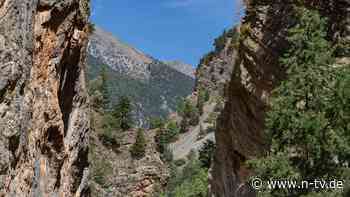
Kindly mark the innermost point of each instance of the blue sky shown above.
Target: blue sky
(167, 29)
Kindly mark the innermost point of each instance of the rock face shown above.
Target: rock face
(116, 173)
(212, 74)
(43, 112)
(215, 72)
(256, 72)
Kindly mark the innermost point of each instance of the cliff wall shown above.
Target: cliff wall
(256, 72)
(43, 102)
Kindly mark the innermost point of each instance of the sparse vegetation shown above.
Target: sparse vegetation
(203, 97)
(190, 181)
(91, 28)
(212, 118)
(190, 116)
(245, 31)
(138, 149)
(100, 168)
(157, 123)
(220, 43)
(164, 137)
(104, 88)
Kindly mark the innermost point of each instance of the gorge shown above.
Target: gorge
(57, 139)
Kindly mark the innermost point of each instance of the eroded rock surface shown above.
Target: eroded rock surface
(115, 173)
(215, 69)
(256, 72)
(43, 112)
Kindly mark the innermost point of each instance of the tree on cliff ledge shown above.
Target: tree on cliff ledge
(122, 113)
(138, 149)
(308, 124)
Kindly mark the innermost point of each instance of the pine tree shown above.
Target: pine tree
(138, 149)
(122, 113)
(308, 124)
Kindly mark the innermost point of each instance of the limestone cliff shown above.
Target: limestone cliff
(215, 68)
(212, 75)
(256, 72)
(114, 172)
(43, 112)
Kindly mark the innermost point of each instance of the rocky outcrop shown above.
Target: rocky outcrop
(43, 111)
(215, 69)
(212, 75)
(256, 72)
(116, 173)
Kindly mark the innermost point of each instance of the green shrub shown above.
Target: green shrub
(190, 116)
(206, 59)
(212, 118)
(172, 131)
(190, 181)
(245, 31)
(157, 123)
(138, 149)
(109, 139)
(164, 137)
(100, 168)
(167, 154)
(206, 153)
(180, 107)
(103, 88)
(203, 97)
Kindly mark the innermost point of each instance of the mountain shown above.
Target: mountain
(117, 55)
(182, 67)
(155, 87)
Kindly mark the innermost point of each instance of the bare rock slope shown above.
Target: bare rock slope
(43, 111)
(119, 56)
(115, 173)
(125, 59)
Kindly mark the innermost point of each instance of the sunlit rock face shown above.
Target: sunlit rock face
(240, 130)
(43, 103)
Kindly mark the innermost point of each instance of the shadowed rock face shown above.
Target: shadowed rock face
(43, 111)
(256, 72)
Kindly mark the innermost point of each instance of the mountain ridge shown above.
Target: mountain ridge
(125, 58)
(154, 86)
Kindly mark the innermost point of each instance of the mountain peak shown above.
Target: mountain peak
(121, 57)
